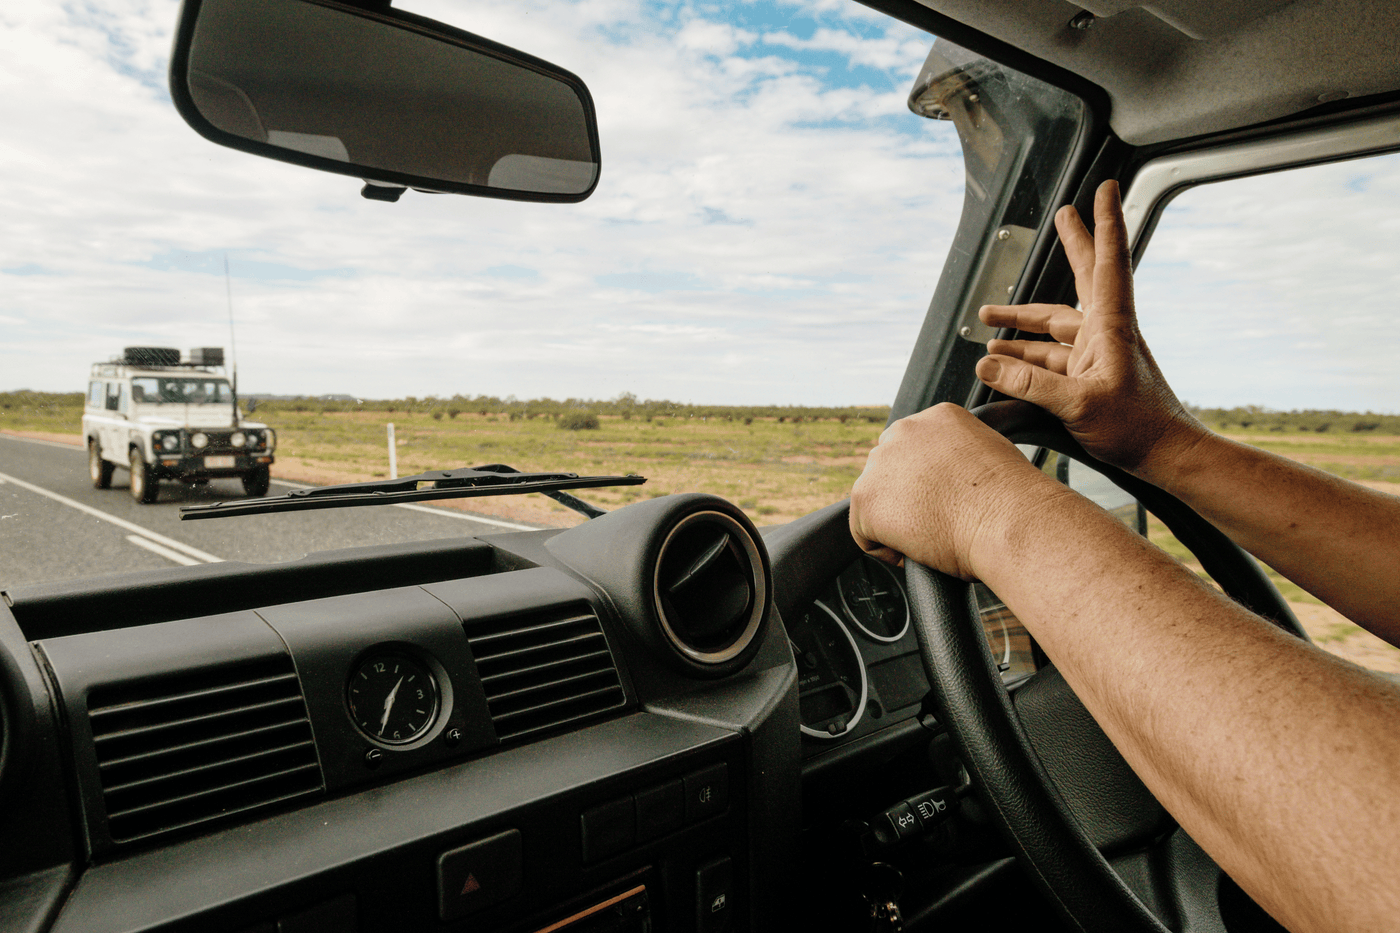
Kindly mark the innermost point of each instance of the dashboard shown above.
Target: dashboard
(857, 657)
(619, 726)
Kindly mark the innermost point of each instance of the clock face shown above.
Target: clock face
(392, 698)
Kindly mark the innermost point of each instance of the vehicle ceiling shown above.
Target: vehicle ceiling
(1179, 68)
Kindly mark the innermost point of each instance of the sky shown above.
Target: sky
(768, 228)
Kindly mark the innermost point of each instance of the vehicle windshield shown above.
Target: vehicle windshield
(730, 312)
(180, 390)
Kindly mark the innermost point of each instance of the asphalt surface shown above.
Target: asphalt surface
(55, 526)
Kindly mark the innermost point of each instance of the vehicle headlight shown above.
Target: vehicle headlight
(200, 440)
(255, 439)
(170, 442)
(238, 439)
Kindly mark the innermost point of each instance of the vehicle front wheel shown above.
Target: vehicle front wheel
(144, 486)
(256, 483)
(99, 469)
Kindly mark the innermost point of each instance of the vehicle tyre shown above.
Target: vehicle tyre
(1059, 811)
(144, 486)
(257, 481)
(99, 469)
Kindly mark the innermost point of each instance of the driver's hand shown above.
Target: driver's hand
(1099, 378)
(938, 487)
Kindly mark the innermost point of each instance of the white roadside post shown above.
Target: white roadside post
(393, 454)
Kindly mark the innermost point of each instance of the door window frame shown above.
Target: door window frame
(1160, 180)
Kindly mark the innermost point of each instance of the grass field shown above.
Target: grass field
(774, 470)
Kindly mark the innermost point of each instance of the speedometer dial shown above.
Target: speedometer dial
(831, 684)
(874, 600)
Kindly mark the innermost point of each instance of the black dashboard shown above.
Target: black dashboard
(609, 727)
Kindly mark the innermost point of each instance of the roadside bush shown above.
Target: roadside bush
(579, 421)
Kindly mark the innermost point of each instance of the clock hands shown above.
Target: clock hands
(389, 705)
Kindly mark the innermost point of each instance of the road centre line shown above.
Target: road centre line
(445, 513)
(160, 539)
(163, 551)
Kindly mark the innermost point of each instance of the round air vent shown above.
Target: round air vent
(710, 588)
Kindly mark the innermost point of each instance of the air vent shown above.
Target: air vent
(542, 673)
(710, 589)
(182, 751)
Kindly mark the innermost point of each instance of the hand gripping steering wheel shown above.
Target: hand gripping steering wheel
(1050, 779)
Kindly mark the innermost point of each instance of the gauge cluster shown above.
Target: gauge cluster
(858, 662)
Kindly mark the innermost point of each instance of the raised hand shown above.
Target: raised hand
(1099, 378)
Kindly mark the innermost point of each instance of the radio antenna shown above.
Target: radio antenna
(232, 342)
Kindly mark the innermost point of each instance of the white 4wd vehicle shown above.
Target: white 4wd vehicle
(167, 419)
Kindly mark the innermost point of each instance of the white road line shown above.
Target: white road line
(119, 522)
(161, 550)
(445, 513)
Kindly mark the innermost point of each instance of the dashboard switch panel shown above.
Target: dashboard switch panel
(706, 792)
(714, 896)
(479, 874)
(608, 829)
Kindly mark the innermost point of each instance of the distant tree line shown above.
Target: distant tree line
(1251, 418)
(626, 406)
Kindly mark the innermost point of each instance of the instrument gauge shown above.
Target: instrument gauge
(392, 697)
(831, 683)
(874, 600)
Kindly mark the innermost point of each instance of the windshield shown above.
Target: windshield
(730, 312)
(184, 391)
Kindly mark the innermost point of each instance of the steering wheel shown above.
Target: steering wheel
(1050, 779)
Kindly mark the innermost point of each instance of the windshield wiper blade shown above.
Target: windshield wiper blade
(493, 479)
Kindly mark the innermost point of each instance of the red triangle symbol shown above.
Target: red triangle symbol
(471, 885)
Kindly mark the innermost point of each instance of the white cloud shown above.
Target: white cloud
(805, 246)
(1279, 290)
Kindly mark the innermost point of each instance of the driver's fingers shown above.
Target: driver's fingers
(1079, 249)
(1020, 379)
(1053, 356)
(1114, 264)
(880, 552)
(1059, 321)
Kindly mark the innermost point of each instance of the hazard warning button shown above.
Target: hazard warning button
(478, 875)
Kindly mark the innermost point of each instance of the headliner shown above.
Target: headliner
(1180, 68)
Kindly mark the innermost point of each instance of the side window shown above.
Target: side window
(96, 392)
(113, 395)
(1269, 304)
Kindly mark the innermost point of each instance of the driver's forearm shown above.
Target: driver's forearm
(1280, 760)
(1335, 539)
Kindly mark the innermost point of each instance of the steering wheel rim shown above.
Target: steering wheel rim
(979, 714)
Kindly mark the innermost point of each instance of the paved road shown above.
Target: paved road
(55, 526)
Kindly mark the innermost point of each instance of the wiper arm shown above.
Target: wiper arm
(493, 479)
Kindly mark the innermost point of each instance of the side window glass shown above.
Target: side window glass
(113, 395)
(96, 392)
(1268, 303)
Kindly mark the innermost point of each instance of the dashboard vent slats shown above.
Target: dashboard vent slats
(541, 673)
(178, 752)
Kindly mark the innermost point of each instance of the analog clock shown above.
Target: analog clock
(392, 698)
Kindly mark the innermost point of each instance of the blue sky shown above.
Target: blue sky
(768, 228)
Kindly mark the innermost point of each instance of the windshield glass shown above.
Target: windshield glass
(184, 391)
(730, 312)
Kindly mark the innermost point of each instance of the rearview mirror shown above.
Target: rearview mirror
(387, 96)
